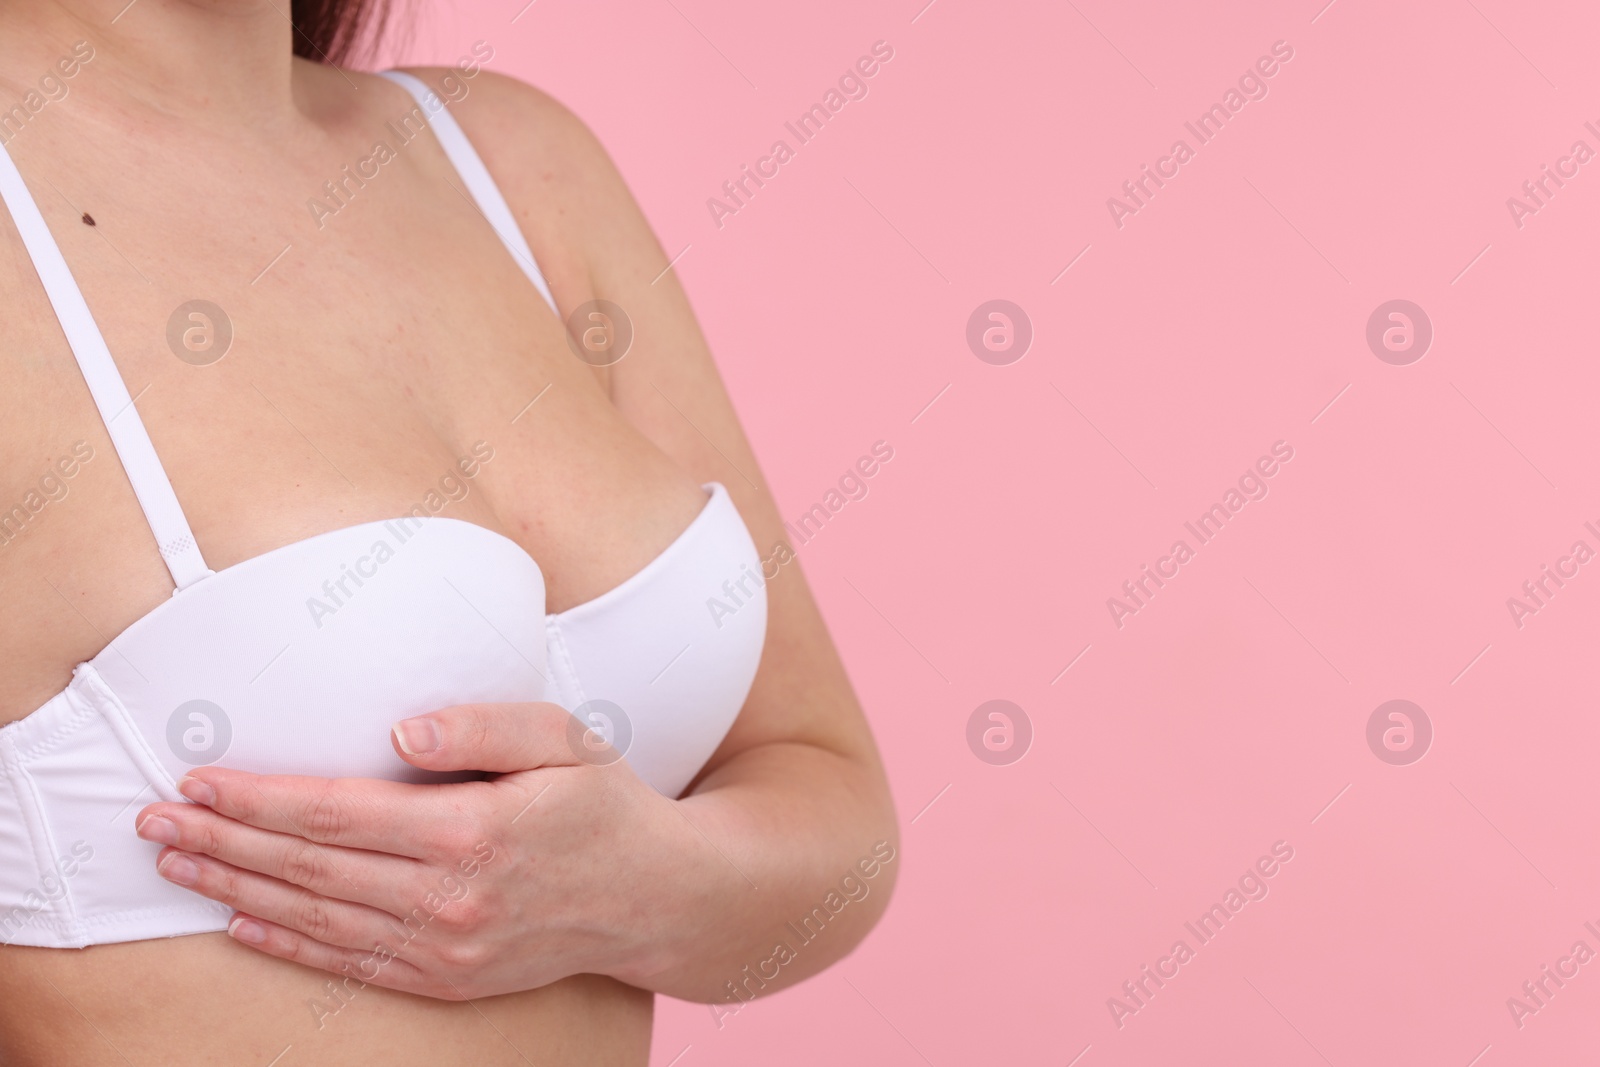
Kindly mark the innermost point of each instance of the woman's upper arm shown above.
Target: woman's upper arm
(583, 222)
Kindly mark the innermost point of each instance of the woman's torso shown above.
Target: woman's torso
(373, 348)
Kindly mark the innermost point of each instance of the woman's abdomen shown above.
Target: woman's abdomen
(204, 1000)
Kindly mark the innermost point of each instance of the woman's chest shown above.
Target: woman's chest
(289, 391)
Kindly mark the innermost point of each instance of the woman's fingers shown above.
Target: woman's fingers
(419, 821)
(378, 964)
(383, 881)
(339, 923)
(500, 738)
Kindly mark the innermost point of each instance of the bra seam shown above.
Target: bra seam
(78, 933)
(40, 839)
(200, 904)
(41, 745)
(555, 636)
(128, 736)
(661, 561)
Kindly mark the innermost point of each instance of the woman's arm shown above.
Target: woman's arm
(777, 861)
(795, 795)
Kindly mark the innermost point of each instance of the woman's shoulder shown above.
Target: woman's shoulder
(551, 167)
(506, 109)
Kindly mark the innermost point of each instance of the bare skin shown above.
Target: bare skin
(366, 360)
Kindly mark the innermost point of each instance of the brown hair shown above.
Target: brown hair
(337, 31)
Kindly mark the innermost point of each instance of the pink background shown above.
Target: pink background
(1223, 317)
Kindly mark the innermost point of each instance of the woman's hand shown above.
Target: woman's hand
(564, 863)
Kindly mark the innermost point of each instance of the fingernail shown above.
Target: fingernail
(197, 791)
(247, 930)
(417, 737)
(158, 828)
(176, 867)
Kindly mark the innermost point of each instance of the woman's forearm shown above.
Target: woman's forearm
(795, 851)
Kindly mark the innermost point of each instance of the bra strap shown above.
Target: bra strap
(173, 536)
(479, 183)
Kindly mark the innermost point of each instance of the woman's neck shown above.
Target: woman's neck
(196, 63)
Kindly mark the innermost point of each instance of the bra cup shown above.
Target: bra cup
(300, 661)
(676, 648)
(285, 664)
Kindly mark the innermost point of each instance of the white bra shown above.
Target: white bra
(236, 670)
